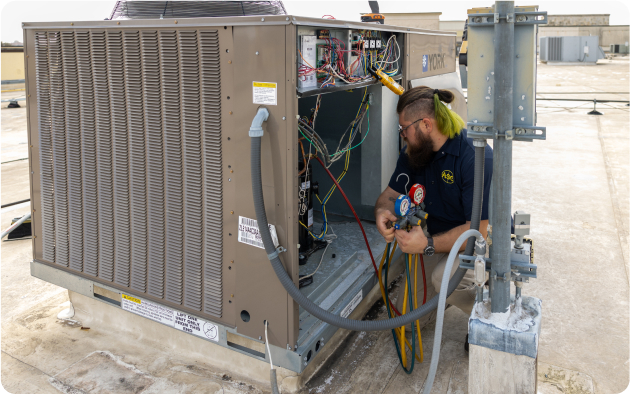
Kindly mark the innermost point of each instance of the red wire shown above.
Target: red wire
(358, 221)
(424, 280)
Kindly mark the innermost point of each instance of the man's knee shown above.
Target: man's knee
(436, 276)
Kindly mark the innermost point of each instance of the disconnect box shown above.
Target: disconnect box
(481, 58)
(141, 174)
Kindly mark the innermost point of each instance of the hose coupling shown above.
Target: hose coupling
(480, 246)
(256, 129)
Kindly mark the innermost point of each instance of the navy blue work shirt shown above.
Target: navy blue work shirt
(449, 181)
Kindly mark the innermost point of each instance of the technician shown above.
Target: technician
(439, 155)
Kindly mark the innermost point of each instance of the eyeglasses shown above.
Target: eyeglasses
(402, 129)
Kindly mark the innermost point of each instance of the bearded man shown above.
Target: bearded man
(438, 155)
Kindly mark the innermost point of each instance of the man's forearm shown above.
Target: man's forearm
(385, 202)
(444, 242)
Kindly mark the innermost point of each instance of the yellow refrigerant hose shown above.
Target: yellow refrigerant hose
(401, 330)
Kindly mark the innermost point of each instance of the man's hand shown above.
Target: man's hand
(383, 220)
(411, 242)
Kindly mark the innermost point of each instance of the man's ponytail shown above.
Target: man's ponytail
(449, 123)
(425, 101)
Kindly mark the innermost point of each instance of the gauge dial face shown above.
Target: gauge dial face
(417, 193)
(402, 205)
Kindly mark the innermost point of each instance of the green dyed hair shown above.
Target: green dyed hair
(423, 101)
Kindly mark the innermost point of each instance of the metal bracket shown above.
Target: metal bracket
(524, 133)
(275, 254)
(518, 18)
(494, 276)
(521, 271)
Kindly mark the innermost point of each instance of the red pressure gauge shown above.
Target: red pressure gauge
(417, 193)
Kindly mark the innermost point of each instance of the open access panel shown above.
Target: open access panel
(140, 171)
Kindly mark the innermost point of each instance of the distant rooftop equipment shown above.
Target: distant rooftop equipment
(619, 49)
(570, 50)
(194, 9)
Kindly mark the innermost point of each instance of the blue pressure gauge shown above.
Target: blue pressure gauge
(402, 204)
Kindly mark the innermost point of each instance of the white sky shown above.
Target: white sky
(17, 11)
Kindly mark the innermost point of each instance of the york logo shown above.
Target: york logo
(432, 62)
(447, 176)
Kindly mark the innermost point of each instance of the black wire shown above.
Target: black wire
(15, 203)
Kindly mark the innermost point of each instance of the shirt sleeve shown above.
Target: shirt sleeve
(402, 167)
(468, 184)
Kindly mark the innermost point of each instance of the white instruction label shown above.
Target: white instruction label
(306, 185)
(265, 93)
(179, 320)
(310, 217)
(248, 233)
(148, 309)
(345, 312)
(196, 326)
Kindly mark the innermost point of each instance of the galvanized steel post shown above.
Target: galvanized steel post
(502, 159)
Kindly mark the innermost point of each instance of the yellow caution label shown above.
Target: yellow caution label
(265, 85)
(132, 299)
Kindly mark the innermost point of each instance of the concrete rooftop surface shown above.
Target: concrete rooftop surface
(574, 185)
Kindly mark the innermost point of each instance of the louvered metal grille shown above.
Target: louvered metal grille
(130, 152)
(555, 48)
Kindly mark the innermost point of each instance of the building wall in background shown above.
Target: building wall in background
(420, 20)
(12, 64)
(456, 26)
(579, 20)
(607, 34)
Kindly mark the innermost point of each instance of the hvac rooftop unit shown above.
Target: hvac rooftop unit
(578, 49)
(140, 157)
(619, 48)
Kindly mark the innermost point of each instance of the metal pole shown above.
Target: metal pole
(502, 160)
(15, 225)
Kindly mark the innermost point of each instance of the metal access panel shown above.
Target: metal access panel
(140, 171)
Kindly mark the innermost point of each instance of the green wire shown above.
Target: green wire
(305, 137)
(365, 136)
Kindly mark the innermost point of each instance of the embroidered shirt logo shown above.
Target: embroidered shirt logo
(447, 176)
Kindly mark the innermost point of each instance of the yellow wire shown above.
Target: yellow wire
(347, 163)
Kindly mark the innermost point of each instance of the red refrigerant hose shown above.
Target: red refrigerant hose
(360, 225)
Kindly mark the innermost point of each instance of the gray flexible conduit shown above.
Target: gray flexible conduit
(477, 204)
(308, 305)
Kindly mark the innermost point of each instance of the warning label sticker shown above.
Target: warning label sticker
(148, 309)
(196, 326)
(265, 93)
(248, 233)
(345, 312)
(178, 320)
